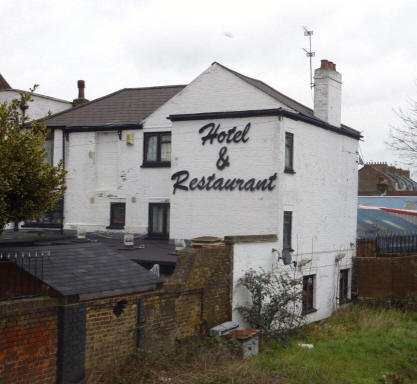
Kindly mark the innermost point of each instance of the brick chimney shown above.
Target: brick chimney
(328, 93)
(81, 98)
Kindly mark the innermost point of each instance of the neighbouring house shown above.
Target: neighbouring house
(225, 156)
(381, 179)
(39, 107)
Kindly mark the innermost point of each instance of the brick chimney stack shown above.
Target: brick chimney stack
(328, 93)
(81, 97)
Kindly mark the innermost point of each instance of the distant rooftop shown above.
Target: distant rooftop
(3, 83)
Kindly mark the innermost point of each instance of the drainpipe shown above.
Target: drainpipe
(63, 164)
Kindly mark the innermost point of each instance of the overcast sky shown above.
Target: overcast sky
(133, 43)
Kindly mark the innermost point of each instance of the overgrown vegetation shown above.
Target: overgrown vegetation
(356, 345)
(207, 361)
(29, 185)
(275, 301)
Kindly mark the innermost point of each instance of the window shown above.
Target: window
(117, 215)
(49, 146)
(308, 294)
(343, 286)
(157, 149)
(158, 220)
(286, 236)
(289, 153)
(50, 219)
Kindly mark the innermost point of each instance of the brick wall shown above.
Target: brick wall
(390, 279)
(28, 341)
(197, 297)
(38, 335)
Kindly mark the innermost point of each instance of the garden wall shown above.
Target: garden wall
(389, 280)
(28, 341)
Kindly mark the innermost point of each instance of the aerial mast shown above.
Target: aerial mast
(309, 53)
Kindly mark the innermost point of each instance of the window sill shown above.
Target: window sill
(166, 164)
(290, 171)
(308, 311)
(115, 227)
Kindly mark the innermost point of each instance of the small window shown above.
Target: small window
(289, 153)
(344, 286)
(308, 294)
(117, 215)
(286, 236)
(157, 149)
(158, 220)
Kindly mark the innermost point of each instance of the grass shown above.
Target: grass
(356, 345)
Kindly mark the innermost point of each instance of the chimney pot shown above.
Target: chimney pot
(81, 96)
(81, 87)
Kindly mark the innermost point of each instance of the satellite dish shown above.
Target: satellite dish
(286, 256)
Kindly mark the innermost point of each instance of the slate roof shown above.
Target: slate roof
(128, 105)
(3, 83)
(88, 270)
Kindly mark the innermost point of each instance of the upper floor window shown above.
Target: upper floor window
(289, 152)
(157, 149)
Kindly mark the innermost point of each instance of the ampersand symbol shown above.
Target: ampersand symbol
(223, 160)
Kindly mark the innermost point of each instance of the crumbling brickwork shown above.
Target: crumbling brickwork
(28, 341)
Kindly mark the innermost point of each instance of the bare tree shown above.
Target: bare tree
(403, 139)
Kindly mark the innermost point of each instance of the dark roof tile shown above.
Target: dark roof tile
(87, 268)
(129, 105)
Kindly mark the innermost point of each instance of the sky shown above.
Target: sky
(133, 43)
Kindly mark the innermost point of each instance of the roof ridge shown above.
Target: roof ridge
(155, 87)
(265, 84)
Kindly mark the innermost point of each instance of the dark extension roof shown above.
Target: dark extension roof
(291, 103)
(3, 83)
(85, 270)
(128, 105)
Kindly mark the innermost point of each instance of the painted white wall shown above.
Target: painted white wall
(215, 90)
(40, 105)
(103, 169)
(220, 213)
(324, 266)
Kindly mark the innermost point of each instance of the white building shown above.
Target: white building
(38, 107)
(225, 155)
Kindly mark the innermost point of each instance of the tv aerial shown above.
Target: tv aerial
(309, 53)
